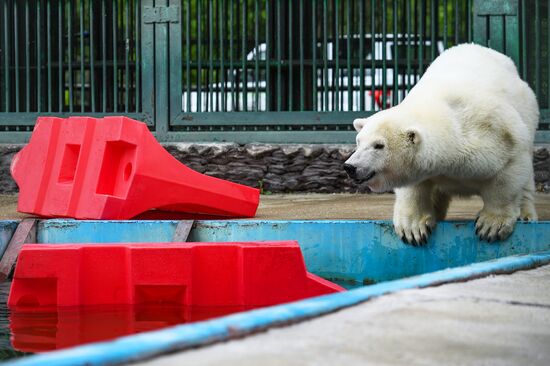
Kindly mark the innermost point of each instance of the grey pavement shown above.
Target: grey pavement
(497, 320)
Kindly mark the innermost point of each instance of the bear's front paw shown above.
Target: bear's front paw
(414, 230)
(492, 227)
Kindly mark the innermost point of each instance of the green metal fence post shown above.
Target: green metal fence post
(496, 25)
(161, 63)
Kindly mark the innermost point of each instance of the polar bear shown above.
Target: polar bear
(466, 128)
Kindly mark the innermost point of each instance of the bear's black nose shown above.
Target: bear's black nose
(351, 170)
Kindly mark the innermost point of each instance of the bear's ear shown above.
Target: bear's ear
(413, 137)
(359, 123)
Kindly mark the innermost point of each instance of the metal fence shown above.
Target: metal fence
(245, 70)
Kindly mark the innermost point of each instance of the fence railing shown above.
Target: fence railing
(245, 70)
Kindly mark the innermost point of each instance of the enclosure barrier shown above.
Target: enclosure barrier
(245, 70)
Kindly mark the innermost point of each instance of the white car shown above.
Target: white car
(327, 81)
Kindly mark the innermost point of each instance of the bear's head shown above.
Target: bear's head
(385, 157)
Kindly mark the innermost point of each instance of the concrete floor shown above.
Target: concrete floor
(498, 320)
(329, 206)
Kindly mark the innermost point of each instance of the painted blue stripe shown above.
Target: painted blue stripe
(362, 251)
(142, 345)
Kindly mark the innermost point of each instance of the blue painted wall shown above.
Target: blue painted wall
(363, 251)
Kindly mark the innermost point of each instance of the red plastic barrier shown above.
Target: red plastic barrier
(113, 168)
(195, 274)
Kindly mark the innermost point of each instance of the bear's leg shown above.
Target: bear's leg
(502, 198)
(441, 202)
(528, 211)
(414, 215)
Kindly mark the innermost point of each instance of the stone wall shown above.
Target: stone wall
(273, 168)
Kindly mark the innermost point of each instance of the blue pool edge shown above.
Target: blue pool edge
(154, 343)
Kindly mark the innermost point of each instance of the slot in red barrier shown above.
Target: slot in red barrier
(191, 274)
(113, 168)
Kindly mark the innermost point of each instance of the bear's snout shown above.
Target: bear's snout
(351, 170)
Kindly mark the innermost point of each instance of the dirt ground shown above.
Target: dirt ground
(328, 207)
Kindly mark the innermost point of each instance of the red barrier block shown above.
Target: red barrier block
(113, 168)
(194, 274)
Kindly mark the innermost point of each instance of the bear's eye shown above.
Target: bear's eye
(378, 146)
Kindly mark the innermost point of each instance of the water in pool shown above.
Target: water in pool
(31, 330)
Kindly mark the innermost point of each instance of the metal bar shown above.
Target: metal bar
(126, 57)
(279, 46)
(92, 55)
(199, 61)
(290, 56)
(395, 56)
(60, 35)
(336, 57)
(38, 59)
(234, 107)
(216, 88)
(7, 58)
(384, 55)
(348, 55)
(188, 48)
(257, 53)
(49, 54)
(469, 15)
(537, 48)
(16, 51)
(27, 60)
(314, 53)
(173, 73)
(210, 57)
(408, 40)
(325, 56)
(361, 55)
(301, 25)
(433, 19)
(421, 41)
(445, 21)
(70, 54)
(115, 59)
(222, 56)
(457, 24)
(523, 41)
(82, 79)
(243, 56)
(268, 105)
(138, 57)
(104, 57)
(373, 54)
(548, 59)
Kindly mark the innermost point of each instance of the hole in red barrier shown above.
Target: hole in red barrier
(127, 171)
(113, 174)
(35, 292)
(28, 300)
(69, 163)
(160, 294)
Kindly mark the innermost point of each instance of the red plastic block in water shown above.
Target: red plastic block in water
(113, 168)
(194, 274)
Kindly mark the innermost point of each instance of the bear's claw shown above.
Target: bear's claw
(492, 227)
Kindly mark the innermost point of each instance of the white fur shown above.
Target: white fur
(466, 128)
